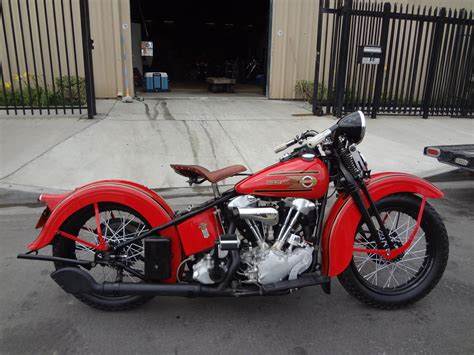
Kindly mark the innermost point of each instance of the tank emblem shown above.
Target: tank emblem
(308, 181)
(295, 182)
(204, 231)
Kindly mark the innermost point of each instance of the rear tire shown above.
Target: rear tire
(421, 277)
(67, 248)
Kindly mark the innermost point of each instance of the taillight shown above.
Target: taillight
(433, 152)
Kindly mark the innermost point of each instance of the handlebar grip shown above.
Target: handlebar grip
(281, 147)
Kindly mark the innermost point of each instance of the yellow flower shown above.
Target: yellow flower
(17, 77)
(8, 85)
(25, 74)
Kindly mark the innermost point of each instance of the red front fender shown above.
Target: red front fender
(143, 200)
(344, 217)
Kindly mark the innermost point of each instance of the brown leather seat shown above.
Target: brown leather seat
(195, 171)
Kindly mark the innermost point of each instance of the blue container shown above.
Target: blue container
(156, 81)
(149, 81)
(164, 81)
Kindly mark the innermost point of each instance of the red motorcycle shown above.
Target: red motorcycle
(116, 244)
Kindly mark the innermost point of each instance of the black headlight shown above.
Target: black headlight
(352, 127)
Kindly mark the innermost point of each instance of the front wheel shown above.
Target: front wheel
(412, 275)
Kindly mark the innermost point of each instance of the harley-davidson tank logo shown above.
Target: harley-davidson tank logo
(295, 182)
(308, 181)
(204, 231)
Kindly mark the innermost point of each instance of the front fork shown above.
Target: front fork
(354, 188)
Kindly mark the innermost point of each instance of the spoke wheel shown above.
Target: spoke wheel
(414, 273)
(394, 275)
(116, 223)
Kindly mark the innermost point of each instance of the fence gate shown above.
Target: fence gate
(384, 58)
(46, 57)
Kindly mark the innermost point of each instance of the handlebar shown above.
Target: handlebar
(312, 140)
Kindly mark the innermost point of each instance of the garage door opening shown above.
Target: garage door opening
(195, 41)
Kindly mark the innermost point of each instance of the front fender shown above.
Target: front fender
(341, 225)
(143, 200)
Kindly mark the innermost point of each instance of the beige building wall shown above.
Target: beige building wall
(110, 30)
(292, 47)
(293, 40)
(112, 54)
(31, 59)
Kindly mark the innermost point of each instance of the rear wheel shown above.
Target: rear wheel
(412, 275)
(118, 223)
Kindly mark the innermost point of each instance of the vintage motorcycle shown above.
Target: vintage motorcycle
(116, 244)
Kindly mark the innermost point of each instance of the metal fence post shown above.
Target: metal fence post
(381, 65)
(437, 39)
(87, 46)
(343, 49)
(318, 57)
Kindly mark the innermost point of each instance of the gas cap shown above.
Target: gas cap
(308, 157)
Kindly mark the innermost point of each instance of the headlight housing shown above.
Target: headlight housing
(352, 127)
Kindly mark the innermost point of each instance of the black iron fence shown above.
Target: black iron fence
(46, 57)
(393, 59)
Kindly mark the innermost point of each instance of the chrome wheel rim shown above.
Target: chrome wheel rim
(116, 226)
(384, 275)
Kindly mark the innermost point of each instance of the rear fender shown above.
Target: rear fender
(143, 200)
(344, 217)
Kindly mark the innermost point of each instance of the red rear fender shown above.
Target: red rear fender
(344, 217)
(143, 200)
(52, 200)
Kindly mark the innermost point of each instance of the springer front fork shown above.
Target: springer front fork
(354, 186)
(375, 233)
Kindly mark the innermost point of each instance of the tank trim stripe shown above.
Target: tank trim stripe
(294, 172)
(286, 190)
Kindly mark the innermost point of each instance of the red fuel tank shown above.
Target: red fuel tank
(292, 178)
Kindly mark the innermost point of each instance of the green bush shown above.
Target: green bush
(305, 89)
(67, 91)
(71, 90)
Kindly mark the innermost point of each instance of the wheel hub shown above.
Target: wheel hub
(397, 243)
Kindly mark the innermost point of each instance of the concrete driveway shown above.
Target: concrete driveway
(138, 141)
(38, 317)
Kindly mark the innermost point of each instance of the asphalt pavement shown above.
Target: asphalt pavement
(36, 316)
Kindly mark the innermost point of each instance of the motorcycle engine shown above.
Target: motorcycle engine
(273, 240)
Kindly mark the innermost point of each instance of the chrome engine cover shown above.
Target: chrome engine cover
(201, 270)
(271, 265)
(289, 255)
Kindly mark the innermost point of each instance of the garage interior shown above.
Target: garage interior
(196, 40)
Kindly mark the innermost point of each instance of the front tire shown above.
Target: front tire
(411, 276)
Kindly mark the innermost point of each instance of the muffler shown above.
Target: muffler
(75, 281)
